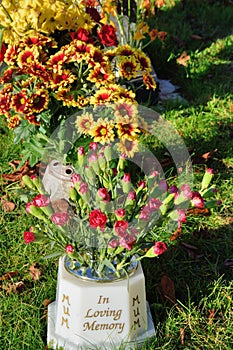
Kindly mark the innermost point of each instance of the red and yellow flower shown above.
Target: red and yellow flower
(84, 123)
(102, 131)
(128, 67)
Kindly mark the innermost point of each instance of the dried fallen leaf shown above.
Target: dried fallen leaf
(176, 234)
(7, 206)
(34, 272)
(228, 263)
(9, 275)
(198, 211)
(168, 289)
(182, 335)
(211, 316)
(17, 287)
(19, 173)
(46, 302)
(192, 251)
(183, 59)
(195, 37)
(208, 155)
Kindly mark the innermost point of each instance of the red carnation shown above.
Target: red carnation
(107, 35)
(120, 227)
(97, 219)
(160, 248)
(28, 237)
(81, 34)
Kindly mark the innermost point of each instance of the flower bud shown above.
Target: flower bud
(126, 183)
(81, 156)
(207, 178)
(69, 249)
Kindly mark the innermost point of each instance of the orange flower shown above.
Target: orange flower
(144, 61)
(142, 29)
(62, 79)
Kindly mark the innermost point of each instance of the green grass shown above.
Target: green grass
(202, 282)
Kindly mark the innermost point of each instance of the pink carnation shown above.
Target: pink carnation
(60, 218)
(127, 241)
(197, 200)
(41, 200)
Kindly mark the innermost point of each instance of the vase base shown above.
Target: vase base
(57, 342)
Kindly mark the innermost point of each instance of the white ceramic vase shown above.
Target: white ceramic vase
(99, 315)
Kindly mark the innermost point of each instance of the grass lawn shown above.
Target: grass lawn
(198, 268)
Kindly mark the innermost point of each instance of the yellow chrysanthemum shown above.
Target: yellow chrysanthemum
(84, 123)
(102, 131)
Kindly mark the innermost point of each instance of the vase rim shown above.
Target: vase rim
(127, 274)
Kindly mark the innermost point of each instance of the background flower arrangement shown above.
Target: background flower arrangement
(61, 57)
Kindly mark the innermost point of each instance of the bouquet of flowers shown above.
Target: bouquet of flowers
(59, 57)
(111, 210)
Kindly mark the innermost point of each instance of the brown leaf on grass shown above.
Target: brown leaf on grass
(176, 234)
(7, 206)
(168, 289)
(198, 211)
(183, 59)
(9, 275)
(195, 37)
(19, 173)
(211, 316)
(34, 272)
(201, 159)
(228, 263)
(17, 287)
(231, 108)
(46, 302)
(182, 335)
(192, 251)
(208, 155)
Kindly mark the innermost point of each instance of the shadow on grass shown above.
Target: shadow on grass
(192, 27)
(195, 262)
